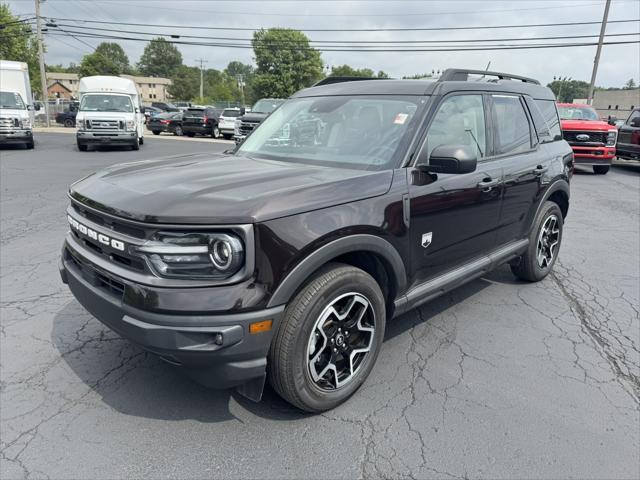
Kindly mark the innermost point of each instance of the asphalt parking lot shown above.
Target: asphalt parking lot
(499, 379)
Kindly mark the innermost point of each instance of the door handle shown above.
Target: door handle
(488, 183)
(539, 170)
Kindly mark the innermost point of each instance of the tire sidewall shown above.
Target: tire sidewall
(310, 394)
(550, 208)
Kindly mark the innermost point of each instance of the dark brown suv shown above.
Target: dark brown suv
(349, 205)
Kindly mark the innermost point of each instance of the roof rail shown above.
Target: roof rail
(462, 75)
(331, 80)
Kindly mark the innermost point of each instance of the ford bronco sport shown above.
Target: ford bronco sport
(593, 140)
(349, 205)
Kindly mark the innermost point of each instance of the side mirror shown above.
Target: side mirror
(243, 110)
(449, 159)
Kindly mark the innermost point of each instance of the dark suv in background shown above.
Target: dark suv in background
(349, 205)
(201, 121)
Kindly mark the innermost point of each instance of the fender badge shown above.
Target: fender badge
(426, 239)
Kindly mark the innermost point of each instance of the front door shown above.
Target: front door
(454, 216)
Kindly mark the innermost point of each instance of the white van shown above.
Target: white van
(109, 113)
(16, 104)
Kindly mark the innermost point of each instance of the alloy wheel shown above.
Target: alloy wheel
(340, 341)
(548, 240)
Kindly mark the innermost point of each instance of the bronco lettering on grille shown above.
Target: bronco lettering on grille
(92, 234)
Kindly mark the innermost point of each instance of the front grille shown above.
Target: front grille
(594, 137)
(105, 124)
(9, 123)
(97, 279)
(109, 223)
(247, 127)
(123, 259)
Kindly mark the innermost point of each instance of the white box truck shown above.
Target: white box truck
(16, 104)
(110, 113)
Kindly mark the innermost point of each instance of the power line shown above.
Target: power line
(420, 29)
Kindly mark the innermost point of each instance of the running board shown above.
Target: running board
(452, 279)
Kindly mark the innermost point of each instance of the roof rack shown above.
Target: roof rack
(462, 75)
(331, 80)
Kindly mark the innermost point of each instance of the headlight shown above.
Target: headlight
(611, 138)
(195, 256)
(131, 125)
(26, 123)
(236, 126)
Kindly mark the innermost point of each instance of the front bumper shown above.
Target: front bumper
(593, 155)
(215, 349)
(15, 136)
(109, 138)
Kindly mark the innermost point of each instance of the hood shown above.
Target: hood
(586, 125)
(254, 116)
(13, 113)
(223, 189)
(105, 115)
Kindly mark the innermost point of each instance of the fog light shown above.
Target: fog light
(219, 339)
(259, 327)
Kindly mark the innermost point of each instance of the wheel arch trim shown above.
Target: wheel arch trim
(323, 255)
(560, 185)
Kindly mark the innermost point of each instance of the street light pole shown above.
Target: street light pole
(202, 62)
(597, 59)
(43, 73)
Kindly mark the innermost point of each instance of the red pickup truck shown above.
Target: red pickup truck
(593, 141)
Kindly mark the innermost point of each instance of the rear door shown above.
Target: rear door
(626, 132)
(453, 217)
(193, 117)
(525, 164)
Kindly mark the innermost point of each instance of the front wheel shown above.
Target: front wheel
(155, 132)
(544, 245)
(178, 131)
(329, 339)
(82, 148)
(136, 144)
(69, 123)
(600, 169)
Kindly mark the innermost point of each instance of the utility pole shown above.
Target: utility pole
(202, 62)
(597, 59)
(240, 79)
(43, 73)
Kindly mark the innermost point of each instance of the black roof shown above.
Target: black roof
(491, 82)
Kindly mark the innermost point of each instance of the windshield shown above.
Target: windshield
(266, 105)
(231, 113)
(362, 132)
(11, 100)
(106, 103)
(577, 113)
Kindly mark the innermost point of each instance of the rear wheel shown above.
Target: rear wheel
(156, 132)
(600, 169)
(69, 123)
(329, 339)
(544, 245)
(191, 134)
(215, 132)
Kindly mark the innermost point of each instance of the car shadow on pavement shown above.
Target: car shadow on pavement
(137, 383)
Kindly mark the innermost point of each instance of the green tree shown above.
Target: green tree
(631, 84)
(566, 90)
(185, 83)
(285, 62)
(348, 71)
(159, 59)
(107, 59)
(59, 68)
(18, 43)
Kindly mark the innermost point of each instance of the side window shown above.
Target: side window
(633, 116)
(541, 127)
(550, 113)
(512, 131)
(459, 121)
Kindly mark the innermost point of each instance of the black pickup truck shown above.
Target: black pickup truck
(358, 201)
(628, 147)
(248, 121)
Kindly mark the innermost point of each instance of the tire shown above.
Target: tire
(69, 123)
(178, 131)
(215, 132)
(141, 140)
(30, 145)
(136, 144)
(600, 169)
(530, 267)
(293, 351)
(82, 148)
(227, 136)
(156, 132)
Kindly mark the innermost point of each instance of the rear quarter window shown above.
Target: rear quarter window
(549, 112)
(231, 113)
